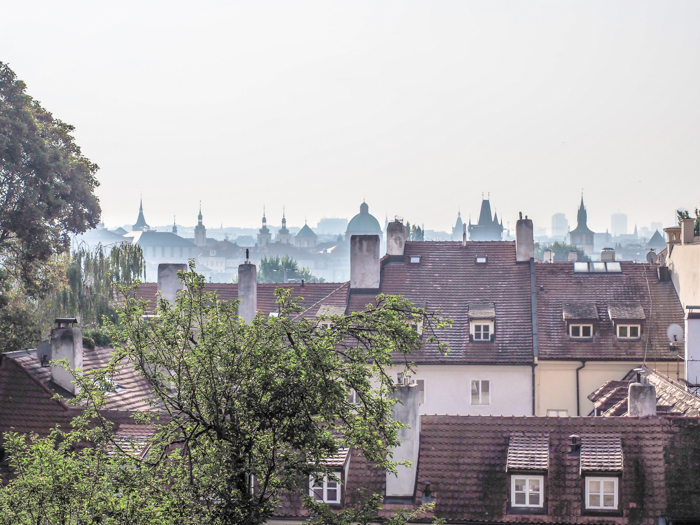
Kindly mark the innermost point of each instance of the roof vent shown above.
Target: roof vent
(575, 445)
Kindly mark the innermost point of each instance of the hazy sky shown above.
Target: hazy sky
(417, 106)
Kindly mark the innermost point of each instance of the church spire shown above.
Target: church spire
(199, 217)
(141, 221)
(174, 226)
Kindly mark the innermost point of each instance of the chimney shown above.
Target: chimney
(673, 237)
(364, 262)
(573, 256)
(247, 291)
(607, 255)
(168, 282)
(396, 235)
(548, 256)
(687, 231)
(402, 485)
(464, 235)
(692, 345)
(524, 240)
(641, 397)
(66, 343)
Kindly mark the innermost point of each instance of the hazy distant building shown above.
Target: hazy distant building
(618, 224)
(283, 235)
(560, 226)
(306, 238)
(331, 225)
(582, 236)
(140, 225)
(458, 230)
(487, 229)
(656, 226)
(264, 235)
(200, 232)
(363, 223)
(656, 242)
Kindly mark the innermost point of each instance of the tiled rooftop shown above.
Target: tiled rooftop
(637, 286)
(601, 453)
(528, 452)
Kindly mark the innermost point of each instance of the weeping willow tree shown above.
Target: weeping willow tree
(87, 291)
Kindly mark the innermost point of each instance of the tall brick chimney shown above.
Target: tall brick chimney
(66, 343)
(247, 291)
(524, 240)
(364, 262)
(396, 235)
(402, 485)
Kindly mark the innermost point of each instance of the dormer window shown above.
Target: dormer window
(629, 331)
(527, 464)
(601, 466)
(601, 493)
(526, 491)
(324, 488)
(581, 331)
(482, 330)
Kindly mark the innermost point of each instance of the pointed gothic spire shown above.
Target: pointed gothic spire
(174, 225)
(199, 217)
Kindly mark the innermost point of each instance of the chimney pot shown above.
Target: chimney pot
(66, 343)
(396, 235)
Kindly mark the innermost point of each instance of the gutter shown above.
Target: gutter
(535, 346)
(578, 401)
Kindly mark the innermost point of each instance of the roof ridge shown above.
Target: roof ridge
(320, 300)
(53, 396)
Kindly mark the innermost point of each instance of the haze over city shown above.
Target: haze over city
(417, 107)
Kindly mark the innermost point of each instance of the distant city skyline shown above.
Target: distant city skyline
(417, 107)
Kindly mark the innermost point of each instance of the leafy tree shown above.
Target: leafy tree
(46, 186)
(561, 251)
(684, 214)
(416, 233)
(273, 270)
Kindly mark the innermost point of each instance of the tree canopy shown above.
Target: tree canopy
(47, 187)
(561, 251)
(247, 411)
(685, 214)
(283, 269)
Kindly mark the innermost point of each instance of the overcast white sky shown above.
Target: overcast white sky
(418, 107)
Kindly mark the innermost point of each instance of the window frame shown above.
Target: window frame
(481, 390)
(481, 323)
(628, 327)
(581, 326)
(527, 478)
(601, 479)
(324, 487)
(557, 412)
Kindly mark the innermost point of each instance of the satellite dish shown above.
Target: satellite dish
(674, 333)
(651, 257)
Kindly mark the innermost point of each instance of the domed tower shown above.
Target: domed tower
(363, 224)
(264, 235)
(200, 232)
(283, 235)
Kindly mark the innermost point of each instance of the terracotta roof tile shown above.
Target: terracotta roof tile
(637, 284)
(528, 452)
(601, 453)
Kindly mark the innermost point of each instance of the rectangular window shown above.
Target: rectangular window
(581, 331)
(554, 412)
(481, 331)
(421, 390)
(162, 251)
(324, 489)
(527, 491)
(481, 392)
(601, 493)
(628, 331)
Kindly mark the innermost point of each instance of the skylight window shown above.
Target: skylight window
(481, 259)
(415, 259)
(580, 267)
(597, 267)
(614, 267)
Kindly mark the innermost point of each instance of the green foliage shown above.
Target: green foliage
(415, 232)
(561, 251)
(273, 269)
(87, 290)
(683, 214)
(100, 335)
(267, 398)
(47, 187)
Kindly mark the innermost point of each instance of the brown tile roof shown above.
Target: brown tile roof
(133, 390)
(465, 460)
(576, 311)
(448, 280)
(638, 283)
(622, 311)
(671, 397)
(601, 453)
(528, 452)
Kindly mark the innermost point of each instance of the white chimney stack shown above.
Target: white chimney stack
(403, 483)
(66, 343)
(247, 291)
(396, 235)
(687, 231)
(641, 398)
(692, 345)
(168, 282)
(524, 239)
(364, 262)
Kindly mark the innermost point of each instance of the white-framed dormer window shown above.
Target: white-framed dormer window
(629, 331)
(322, 488)
(527, 491)
(601, 493)
(581, 331)
(481, 392)
(482, 330)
